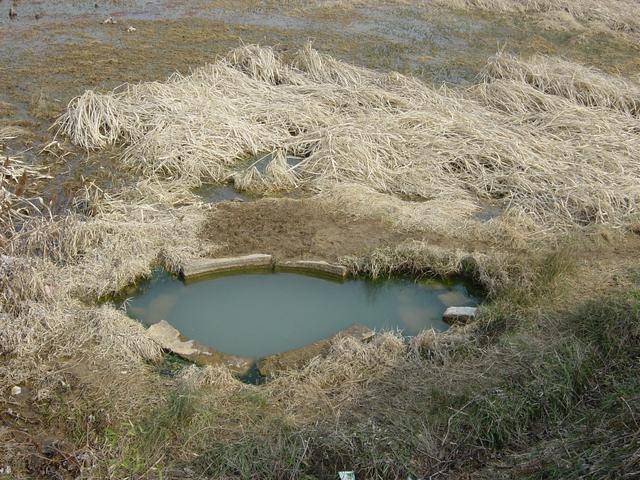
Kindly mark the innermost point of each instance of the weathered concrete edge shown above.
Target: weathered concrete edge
(207, 266)
(312, 266)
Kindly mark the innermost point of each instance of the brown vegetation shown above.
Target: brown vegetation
(615, 15)
(18, 197)
(402, 169)
(520, 139)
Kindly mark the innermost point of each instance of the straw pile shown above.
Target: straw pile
(613, 15)
(554, 142)
(18, 199)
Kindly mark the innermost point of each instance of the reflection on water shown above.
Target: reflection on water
(453, 297)
(259, 314)
(215, 193)
(162, 305)
(261, 161)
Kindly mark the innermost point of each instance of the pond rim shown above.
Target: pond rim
(252, 374)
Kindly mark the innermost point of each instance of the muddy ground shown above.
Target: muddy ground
(295, 229)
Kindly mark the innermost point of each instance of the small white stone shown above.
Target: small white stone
(131, 29)
(16, 390)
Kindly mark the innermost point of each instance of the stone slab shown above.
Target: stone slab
(313, 266)
(459, 314)
(209, 266)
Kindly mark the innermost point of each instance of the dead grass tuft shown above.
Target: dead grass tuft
(614, 15)
(518, 138)
(554, 76)
(18, 194)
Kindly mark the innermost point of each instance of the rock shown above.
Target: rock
(313, 266)
(109, 21)
(207, 266)
(131, 29)
(347, 475)
(459, 314)
(16, 390)
(169, 338)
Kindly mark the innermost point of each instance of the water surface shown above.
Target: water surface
(258, 314)
(216, 193)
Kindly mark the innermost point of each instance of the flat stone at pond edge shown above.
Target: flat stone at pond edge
(169, 338)
(459, 314)
(313, 266)
(298, 357)
(206, 266)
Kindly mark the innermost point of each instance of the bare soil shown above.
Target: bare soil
(295, 229)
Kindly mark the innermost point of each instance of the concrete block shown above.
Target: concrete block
(208, 266)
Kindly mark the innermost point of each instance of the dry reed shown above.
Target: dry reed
(519, 137)
(613, 15)
(373, 144)
(377, 145)
(54, 270)
(18, 198)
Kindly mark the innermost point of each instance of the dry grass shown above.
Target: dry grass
(18, 194)
(579, 84)
(518, 138)
(52, 266)
(614, 15)
(384, 146)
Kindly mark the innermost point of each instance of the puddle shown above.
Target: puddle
(261, 161)
(489, 212)
(259, 314)
(215, 193)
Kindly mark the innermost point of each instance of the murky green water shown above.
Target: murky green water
(258, 314)
(215, 193)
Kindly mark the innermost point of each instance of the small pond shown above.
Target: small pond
(259, 314)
